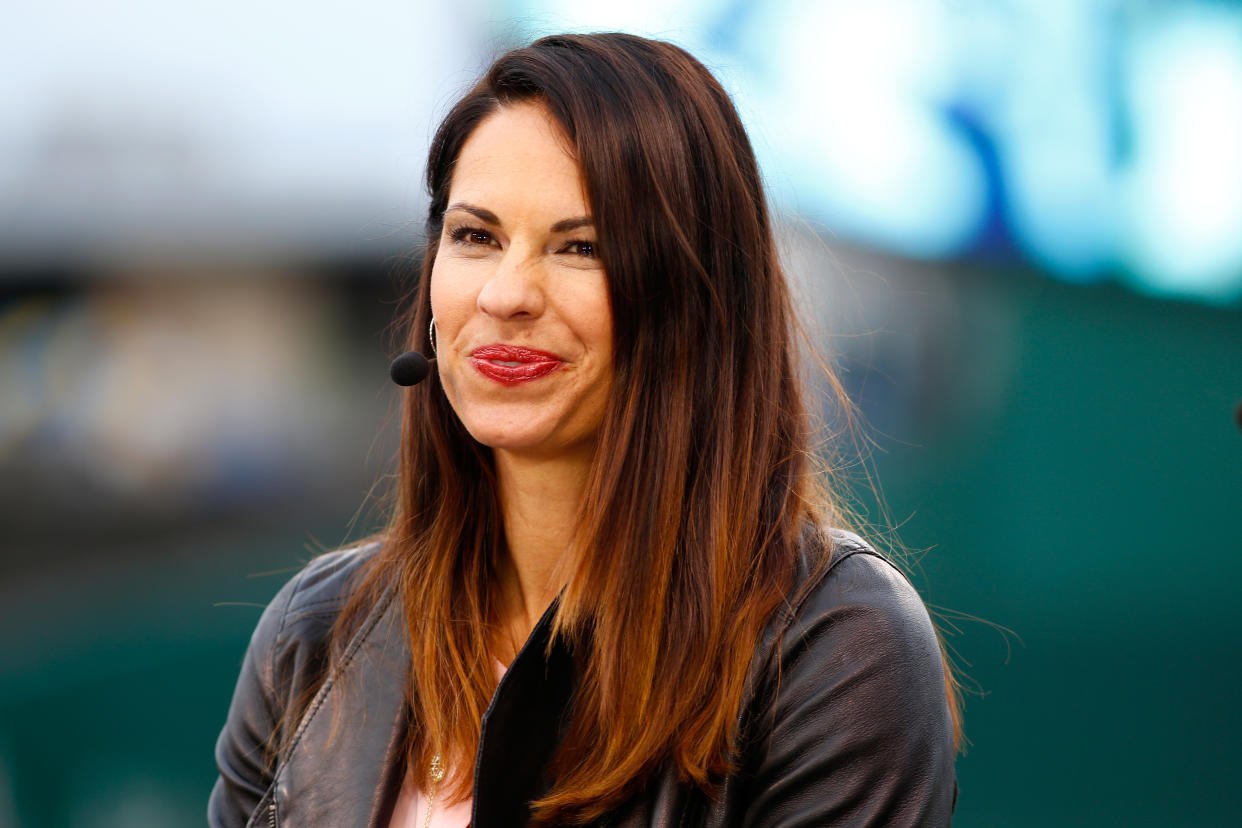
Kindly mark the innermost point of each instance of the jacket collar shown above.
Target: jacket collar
(522, 728)
(343, 767)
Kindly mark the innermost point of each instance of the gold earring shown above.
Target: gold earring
(431, 335)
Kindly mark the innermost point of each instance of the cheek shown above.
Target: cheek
(597, 323)
(451, 298)
(439, 294)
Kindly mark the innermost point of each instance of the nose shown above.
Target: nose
(514, 290)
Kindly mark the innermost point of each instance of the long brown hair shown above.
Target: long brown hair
(702, 483)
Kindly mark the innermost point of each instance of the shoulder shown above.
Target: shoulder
(856, 614)
(853, 723)
(286, 661)
(859, 583)
(290, 643)
(323, 586)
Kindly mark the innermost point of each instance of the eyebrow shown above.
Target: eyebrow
(562, 226)
(565, 225)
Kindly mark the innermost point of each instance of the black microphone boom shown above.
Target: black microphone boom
(410, 368)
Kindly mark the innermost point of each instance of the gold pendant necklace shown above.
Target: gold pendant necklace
(437, 773)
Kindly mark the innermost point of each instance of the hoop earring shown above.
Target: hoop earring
(431, 335)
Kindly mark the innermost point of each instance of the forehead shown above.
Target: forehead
(518, 156)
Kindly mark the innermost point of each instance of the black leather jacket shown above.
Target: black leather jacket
(857, 733)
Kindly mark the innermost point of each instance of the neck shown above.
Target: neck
(540, 499)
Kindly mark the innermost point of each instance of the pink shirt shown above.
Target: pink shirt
(411, 808)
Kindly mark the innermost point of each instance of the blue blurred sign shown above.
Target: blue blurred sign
(1090, 138)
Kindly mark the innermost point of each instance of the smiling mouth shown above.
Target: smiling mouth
(511, 365)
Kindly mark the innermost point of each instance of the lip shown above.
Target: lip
(513, 365)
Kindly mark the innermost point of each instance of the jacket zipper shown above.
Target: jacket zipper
(271, 814)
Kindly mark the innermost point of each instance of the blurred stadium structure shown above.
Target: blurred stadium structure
(1017, 224)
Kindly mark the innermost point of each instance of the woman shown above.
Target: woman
(606, 595)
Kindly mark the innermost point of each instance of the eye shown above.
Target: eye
(471, 236)
(584, 249)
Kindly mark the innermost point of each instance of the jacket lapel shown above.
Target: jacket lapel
(521, 730)
(342, 755)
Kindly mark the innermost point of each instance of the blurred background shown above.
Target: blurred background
(1017, 226)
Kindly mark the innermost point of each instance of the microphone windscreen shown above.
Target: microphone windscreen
(410, 368)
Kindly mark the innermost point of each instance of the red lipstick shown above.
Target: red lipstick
(511, 365)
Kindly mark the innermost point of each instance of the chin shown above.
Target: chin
(514, 434)
(523, 438)
(538, 427)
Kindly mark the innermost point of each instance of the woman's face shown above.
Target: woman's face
(519, 295)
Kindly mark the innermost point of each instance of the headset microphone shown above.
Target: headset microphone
(410, 368)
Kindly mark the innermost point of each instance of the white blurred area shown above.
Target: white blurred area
(220, 131)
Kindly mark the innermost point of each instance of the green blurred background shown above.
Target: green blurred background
(193, 397)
